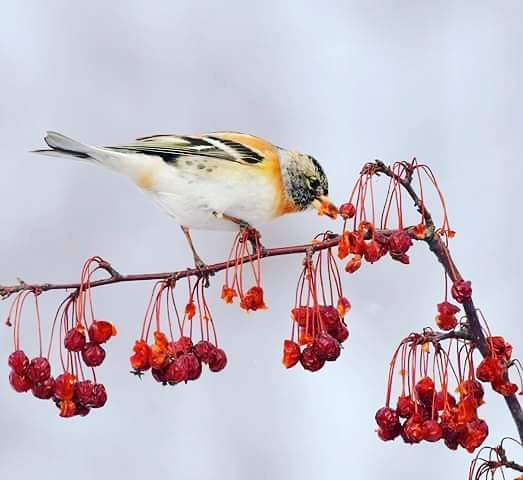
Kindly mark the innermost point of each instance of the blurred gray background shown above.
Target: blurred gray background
(346, 81)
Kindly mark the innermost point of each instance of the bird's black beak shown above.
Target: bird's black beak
(325, 207)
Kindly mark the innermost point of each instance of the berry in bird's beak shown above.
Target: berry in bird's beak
(325, 207)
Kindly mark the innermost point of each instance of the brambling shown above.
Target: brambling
(215, 181)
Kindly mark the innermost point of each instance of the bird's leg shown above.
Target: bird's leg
(198, 262)
(253, 236)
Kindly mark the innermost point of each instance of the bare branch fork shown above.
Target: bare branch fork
(435, 242)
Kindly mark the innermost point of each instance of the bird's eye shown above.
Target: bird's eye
(314, 183)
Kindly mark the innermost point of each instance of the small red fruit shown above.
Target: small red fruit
(93, 354)
(341, 333)
(326, 347)
(67, 408)
(20, 383)
(83, 392)
(405, 406)
(100, 331)
(99, 396)
(372, 251)
(177, 371)
(74, 340)
(291, 353)
(387, 418)
(193, 365)
(425, 390)
(204, 350)
(347, 210)
(354, 264)
(343, 306)
(39, 369)
(64, 386)
(462, 291)
(180, 346)
(413, 431)
(140, 358)
(310, 361)
(44, 390)
(399, 242)
(432, 431)
(19, 362)
(477, 432)
(218, 360)
(505, 388)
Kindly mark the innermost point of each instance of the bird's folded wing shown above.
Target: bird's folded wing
(172, 146)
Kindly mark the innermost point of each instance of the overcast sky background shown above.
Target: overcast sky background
(345, 81)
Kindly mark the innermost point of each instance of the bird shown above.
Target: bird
(215, 181)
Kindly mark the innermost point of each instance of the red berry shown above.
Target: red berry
(387, 419)
(82, 410)
(100, 331)
(474, 389)
(501, 348)
(20, 383)
(400, 257)
(477, 431)
(74, 340)
(505, 388)
(491, 369)
(341, 333)
(44, 390)
(93, 354)
(39, 369)
(140, 359)
(218, 360)
(446, 322)
(180, 346)
(64, 386)
(310, 361)
(399, 242)
(19, 362)
(343, 306)
(462, 291)
(160, 374)
(330, 317)
(444, 400)
(302, 315)
(204, 350)
(387, 435)
(432, 431)
(425, 390)
(447, 308)
(291, 353)
(372, 251)
(67, 408)
(83, 392)
(405, 406)
(353, 264)
(383, 242)
(347, 210)
(99, 396)
(194, 366)
(413, 429)
(357, 244)
(177, 371)
(326, 347)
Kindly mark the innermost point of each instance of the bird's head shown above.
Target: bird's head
(306, 183)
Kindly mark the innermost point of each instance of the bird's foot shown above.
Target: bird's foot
(253, 236)
(203, 270)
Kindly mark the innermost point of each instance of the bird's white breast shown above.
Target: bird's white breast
(193, 189)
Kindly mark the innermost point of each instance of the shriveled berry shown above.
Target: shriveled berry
(387, 435)
(326, 347)
(64, 386)
(425, 390)
(344, 245)
(82, 410)
(432, 431)
(400, 257)
(93, 354)
(100, 331)
(291, 353)
(446, 322)
(160, 374)
(180, 346)
(74, 340)
(83, 392)
(500, 348)
(405, 406)
(383, 242)
(253, 299)
(218, 360)
(387, 418)
(462, 291)
(491, 369)
(341, 333)
(20, 383)
(330, 317)
(44, 390)
(357, 244)
(505, 388)
(477, 432)
(343, 306)
(159, 357)
(228, 294)
(447, 308)
(177, 371)
(302, 315)
(347, 210)
(399, 242)
(140, 359)
(466, 410)
(204, 350)
(472, 388)
(413, 429)
(194, 366)
(19, 362)
(372, 251)
(39, 369)
(353, 264)
(99, 396)
(310, 361)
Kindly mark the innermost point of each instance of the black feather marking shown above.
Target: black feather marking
(250, 156)
(72, 153)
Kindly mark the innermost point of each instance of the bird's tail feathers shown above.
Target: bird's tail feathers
(62, 146)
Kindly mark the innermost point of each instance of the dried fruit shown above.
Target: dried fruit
(64, 386)
(347, 210)
(310, 360)
(218, 360)
(462, 291)
(425, 390)
(204, 350)
(39, 369)
(291, 353)
(101, 331)
(93, 354)
(140, 359)
(19, 362)
(44, 390)
(399, 242)
(75, 340)
(326, 347)
(20, 383)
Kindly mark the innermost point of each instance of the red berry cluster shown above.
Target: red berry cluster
(71, 391)
(494, 368)
(319, 328)
(446, 317)
(426, 410)
(245, 244)
(174, 361)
